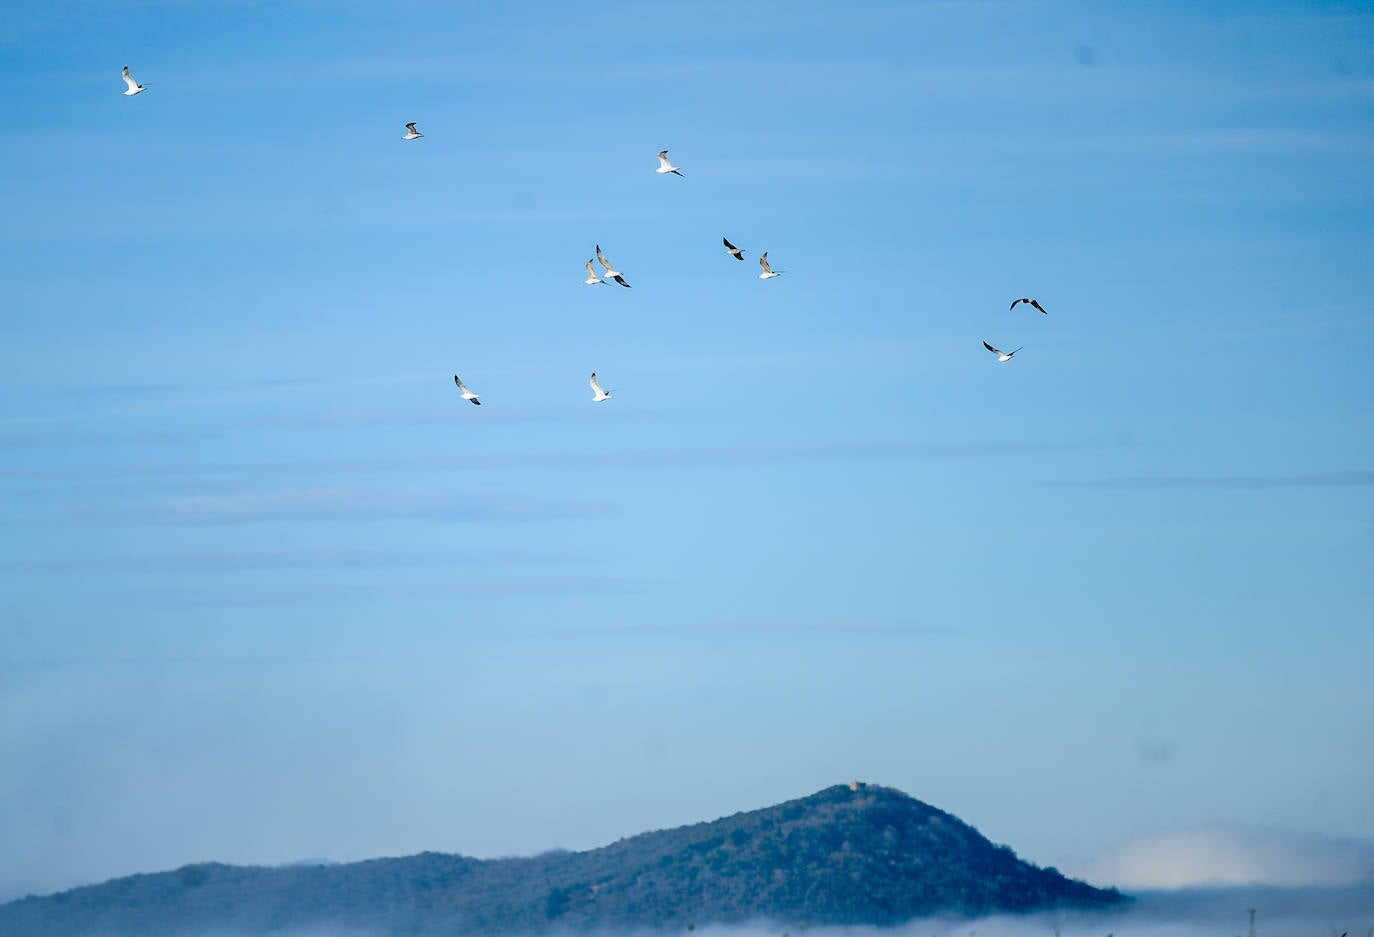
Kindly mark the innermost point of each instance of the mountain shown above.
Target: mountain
(850, 854)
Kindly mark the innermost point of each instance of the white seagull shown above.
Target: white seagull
(134, 87)
(411, 132)
(1027, 299)
(732, 250)
(768, 272)
(1001, 355)
(467, 394)
(611, 272)
(598, 393)
(664, 166)
(592, 278)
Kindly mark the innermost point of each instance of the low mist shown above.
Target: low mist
(1279, 912)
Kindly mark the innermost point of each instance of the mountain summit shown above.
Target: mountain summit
(847, 855)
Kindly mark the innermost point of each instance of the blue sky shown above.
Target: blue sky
(273, 591)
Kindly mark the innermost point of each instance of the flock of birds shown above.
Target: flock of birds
(609, 273)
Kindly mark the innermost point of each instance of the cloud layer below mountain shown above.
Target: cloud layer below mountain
(1222, 857)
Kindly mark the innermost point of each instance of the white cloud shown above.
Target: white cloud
(1221, 857)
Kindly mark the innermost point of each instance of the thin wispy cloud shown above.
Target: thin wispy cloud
(236, 561)
(808, 452)
(858, 627)
(445, 416)
(65, 429)
(117, 390)
(159, 661)
(300, 218)
(140, 390)
(351, 503)
(358, 593)
(1339, 479)
(1225, 141)
(408, 71)
(658, 458)
(139, 399)
(62, 439)
(39, 429)
(1339, 87)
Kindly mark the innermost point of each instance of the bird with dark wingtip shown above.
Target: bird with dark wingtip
(664, 166)
(599, 393)
(732, 250)
(134, 87)
(611, 272)
(1001, 355)
(1027, 299)
(467, 394)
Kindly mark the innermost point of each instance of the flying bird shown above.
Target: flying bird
(592, 278)
(134, 87)
(467, 394)
(411, 132)
(664, 165)
(611, 272)
(732, 250)
(598, 393)
(1027, 299)
(768, 272)
(1001, 355)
